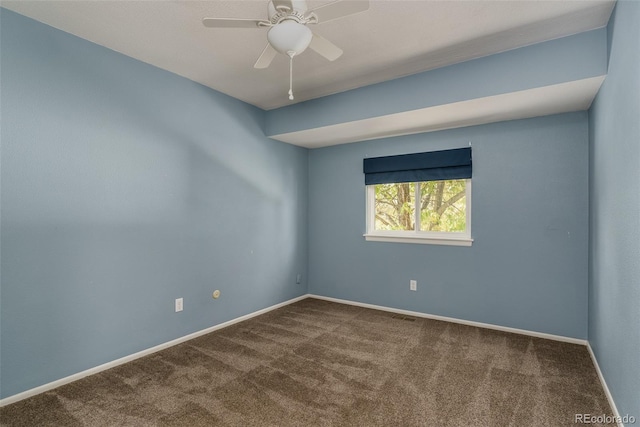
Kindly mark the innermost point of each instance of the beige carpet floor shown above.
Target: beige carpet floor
(319, 363)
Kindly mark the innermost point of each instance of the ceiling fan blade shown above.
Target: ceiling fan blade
(325, 48)
(232, 23)
(282, 4)
(266, 57)
(339, 8)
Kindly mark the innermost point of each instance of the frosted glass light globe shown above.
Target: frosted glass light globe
(290, 36)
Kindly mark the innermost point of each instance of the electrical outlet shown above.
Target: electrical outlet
(179, 304)
(413, 285)
(299, 278)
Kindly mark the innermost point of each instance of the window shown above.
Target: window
(401, 208)
(442, 215)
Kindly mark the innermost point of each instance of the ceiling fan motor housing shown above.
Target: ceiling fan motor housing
(299, 6)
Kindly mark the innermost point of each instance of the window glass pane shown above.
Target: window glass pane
(443, 205)
(395, 206)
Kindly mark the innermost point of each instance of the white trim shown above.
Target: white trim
(451, 241)
(134, 356)
(616, 414)
(454, 320)
(417, 201)
(55, 384)
(371, 207)
(468, 197)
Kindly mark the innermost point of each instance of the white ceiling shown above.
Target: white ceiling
(393, 38)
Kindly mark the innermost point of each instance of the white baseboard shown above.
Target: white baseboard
(55, 384)
(616, 414)
(50, 386)
(454, 320)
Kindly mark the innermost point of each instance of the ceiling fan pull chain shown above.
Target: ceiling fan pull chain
(291, 54)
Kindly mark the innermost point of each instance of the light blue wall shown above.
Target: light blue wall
(527, 267)
(557, 61)
(123, 188)
(614, 286)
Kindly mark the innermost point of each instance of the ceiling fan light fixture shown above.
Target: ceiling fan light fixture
(290, 36)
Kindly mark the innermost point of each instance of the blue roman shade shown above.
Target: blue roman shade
(431, 166)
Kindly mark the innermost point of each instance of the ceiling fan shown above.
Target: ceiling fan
(288, 29)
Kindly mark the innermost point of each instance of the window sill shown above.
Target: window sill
(450, 241)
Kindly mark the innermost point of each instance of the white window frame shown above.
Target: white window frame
(422, 237)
